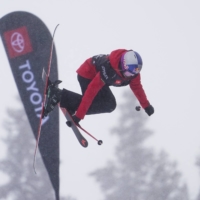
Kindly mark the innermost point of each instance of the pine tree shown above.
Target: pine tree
(138, 173)
(198, 165)
(17, 165)
(23, 183)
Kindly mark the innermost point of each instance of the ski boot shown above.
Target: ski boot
(53, 97)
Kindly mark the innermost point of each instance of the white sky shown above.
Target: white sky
(166, 34)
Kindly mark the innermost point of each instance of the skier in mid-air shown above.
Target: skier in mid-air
(120, 68)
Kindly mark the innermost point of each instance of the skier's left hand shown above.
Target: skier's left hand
(76, 119)
(149, 110)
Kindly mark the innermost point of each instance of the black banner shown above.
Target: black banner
(27, 42)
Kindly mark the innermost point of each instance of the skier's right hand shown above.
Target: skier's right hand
(76, 119)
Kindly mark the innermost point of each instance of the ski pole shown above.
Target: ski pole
(99, 142)
(137, 108)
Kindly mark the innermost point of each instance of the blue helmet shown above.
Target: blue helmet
(131, 63)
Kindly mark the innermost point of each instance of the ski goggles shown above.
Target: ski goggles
(128, 74)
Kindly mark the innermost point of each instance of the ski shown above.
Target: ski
(75, 127)
(44, 99)
(70, 121)
(71, 124)
(99, 142)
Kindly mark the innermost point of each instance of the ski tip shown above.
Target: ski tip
(35, 171)
(84, 143)
(57, 26)
(100, 142)
(34, 166)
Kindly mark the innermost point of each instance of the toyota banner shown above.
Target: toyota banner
(27, 43)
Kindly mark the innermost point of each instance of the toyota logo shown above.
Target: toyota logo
(17, 42)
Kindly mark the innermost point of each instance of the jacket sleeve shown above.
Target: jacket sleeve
(93, 88)
(139, 92)
(87, 69)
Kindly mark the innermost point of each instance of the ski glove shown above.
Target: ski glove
(76, 119)
(149, 110)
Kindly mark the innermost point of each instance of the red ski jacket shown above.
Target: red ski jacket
(104, 70)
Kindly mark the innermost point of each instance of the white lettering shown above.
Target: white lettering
(45, 119)
(27, 76)
(32, 87)
(34, 96)
(38, 109)
(104, 72)
(27, 65)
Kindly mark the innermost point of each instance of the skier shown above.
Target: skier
(120, 68)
